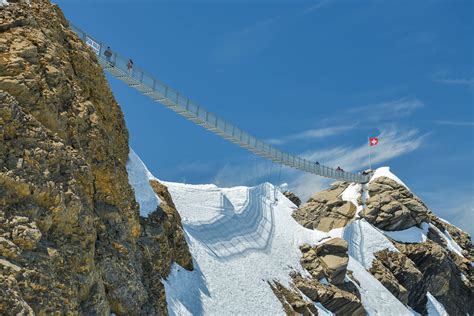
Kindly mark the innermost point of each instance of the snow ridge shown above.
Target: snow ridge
(241, 238)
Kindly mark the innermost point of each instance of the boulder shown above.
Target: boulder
(331, 297)
(326, 210)
(391, 206)
(328, 260)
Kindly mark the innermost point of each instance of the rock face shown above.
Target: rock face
(461, 238)
(292, 301)
(292, 197)
(71, 240)
(329, 261)
(392, 207)
(401, 277)
(325, 210)
(334, 299)
(442, 276)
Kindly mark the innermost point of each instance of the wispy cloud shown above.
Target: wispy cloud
(392, 110)
(394, 142)
(313, 134)
(318, 5)
(457, 81)
(249, 41)
(455, 123)
(255, 38)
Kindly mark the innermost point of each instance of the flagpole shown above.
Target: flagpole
(370, 151)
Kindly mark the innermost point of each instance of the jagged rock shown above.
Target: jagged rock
(401, 277)
(292, 301)
(460, 237)
(325, 210)
(391, 206)
(8, 249)
(292, 197)
(24, 234)
(328, 259)
(331, 297)
(441, 277)
(334, 258)
(173, 236)
(65, 200)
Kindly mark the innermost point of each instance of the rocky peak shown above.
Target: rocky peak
(391, 206)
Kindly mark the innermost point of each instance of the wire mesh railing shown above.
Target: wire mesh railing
(136, 77)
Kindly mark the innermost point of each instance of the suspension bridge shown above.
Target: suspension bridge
(139, 79)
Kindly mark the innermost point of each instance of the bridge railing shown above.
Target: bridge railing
(139, 79)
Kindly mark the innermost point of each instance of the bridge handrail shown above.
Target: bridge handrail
(139, 79)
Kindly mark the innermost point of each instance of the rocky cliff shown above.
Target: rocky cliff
(71, 239)
(438, 263)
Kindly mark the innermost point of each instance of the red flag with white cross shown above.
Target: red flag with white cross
(373, 141)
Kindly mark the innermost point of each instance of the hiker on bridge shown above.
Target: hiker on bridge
(130, 66)
(108, 54)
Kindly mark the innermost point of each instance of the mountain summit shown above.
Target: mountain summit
(86, 229)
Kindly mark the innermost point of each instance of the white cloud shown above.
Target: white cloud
(393, 143)
(455, 123)
(312, 134)
(317, 6)
(457, 81)
(392, 110)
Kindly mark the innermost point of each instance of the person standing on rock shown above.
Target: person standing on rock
(108, 54)
(130, 66)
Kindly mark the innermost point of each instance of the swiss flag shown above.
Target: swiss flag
(373, 141)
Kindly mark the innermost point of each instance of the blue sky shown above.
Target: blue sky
(313, 77)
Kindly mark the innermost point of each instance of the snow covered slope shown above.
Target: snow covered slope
(243, 237)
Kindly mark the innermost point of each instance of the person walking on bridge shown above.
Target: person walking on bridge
(108, 54)
(130, 66)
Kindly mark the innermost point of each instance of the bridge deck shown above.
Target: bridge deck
(153, 88)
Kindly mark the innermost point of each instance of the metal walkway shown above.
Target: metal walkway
(140, 80)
